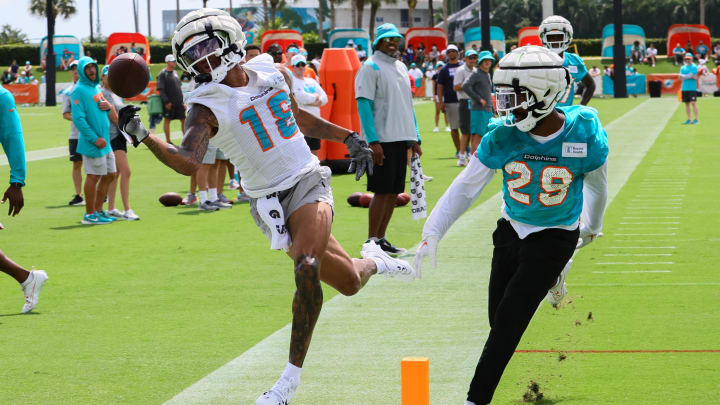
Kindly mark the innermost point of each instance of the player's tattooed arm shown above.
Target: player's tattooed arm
(200, 126)
(310, 125)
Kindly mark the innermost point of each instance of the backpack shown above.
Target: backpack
(155, 104)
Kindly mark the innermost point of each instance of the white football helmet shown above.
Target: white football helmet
(204, 33)
(532, 78)
(556, 25)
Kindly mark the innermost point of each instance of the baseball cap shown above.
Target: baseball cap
(169, 58)
(470, 52)
(451, 47)
(688, 55)
(413, 64)
(485, 55)
(293, 49)
(73, 64)
(297, 59)
(105, 70)
(27, 62)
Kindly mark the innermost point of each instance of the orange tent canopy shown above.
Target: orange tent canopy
(126, 39)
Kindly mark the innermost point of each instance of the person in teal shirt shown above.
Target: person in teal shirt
(11, 137)
(556, 33)
(678, 52)
(689, 75)
(91, 114)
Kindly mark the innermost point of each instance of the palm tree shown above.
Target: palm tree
(374, 7)
(411, 12)
(702, 12)
(177, 11)
(92, 39)
(322, 6)
(266, 16)
(135, 15)
(360, 5)
(50, 9)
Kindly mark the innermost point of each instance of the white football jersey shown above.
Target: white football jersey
(257, 130)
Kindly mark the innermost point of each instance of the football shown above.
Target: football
(128, 75)
(170, 199)
(365, 199)
(354, 199)
(402, 199)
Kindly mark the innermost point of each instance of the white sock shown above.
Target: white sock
(291, 371)
(29, 280)
(379, 264)
(213, 194)
(203, 196)
(469, 403)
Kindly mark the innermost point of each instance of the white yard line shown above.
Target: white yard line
(443, 316)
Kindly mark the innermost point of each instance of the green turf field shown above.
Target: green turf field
(136, 312)
(63, 76)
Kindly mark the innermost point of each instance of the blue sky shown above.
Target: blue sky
(115, 16)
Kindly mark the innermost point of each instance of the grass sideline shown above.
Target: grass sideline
(136, 312)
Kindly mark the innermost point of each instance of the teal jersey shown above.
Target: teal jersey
(11, 136)
(689, 84)
(543, 182)
(577, 69)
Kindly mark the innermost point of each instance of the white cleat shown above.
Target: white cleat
(556, 294)
(389, 266)
(31, 288)
(281, 393)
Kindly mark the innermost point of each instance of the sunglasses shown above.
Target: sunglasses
(392, 39)
(301, 64)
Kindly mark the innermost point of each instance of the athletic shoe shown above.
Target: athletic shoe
(77, 200)
(436, 129)
(92, 219)
(556, 294)
(695, 122)
(281, 393)
(31, 288)
(221, 205)
(189, 199)
(222, 198)
(129, 215)
(427, 178)
(105, 215)
(447, 129)
(242, 198)
(233, 184)
(115, 213)
(688, 122)
(390, 249)
(207, 206)
(395, 268)
(461, 161)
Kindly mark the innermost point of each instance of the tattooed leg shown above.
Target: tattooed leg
(306, 307)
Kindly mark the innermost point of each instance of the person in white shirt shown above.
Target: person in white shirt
(417, 74)
(308, 93)
(651, 55)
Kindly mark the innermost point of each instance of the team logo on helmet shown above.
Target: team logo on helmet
(207, 43)
(556, 33)
(529, 83)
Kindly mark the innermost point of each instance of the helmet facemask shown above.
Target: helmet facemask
(558, 45)
(209, 58)
(516, 107)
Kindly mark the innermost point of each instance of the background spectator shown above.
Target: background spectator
(594, 71)
(75, 157)
(461, 74)
(7, 76)
(689, 75)
(170, 89)
(309, 95)
(276, 52)
(637, 52)
(66, 59)
(478, 87)
(14, 68)
(27, 68)
(702, 50)
(716, 53)
(651, 55)
(251, 51)
(678, 53)
(447, 95)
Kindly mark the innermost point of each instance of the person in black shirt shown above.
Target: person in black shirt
(169, 87)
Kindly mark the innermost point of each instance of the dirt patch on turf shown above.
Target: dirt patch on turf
(590, 317)
(562, 356)
(533, 393)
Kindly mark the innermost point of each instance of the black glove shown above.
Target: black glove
(130, 125)
(360, 156)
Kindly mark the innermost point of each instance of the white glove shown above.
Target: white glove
(586, 237)
(428, 247)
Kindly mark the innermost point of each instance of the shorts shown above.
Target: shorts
(74, 156)
(452, 110)
(174, 113)
(313, 187)
(479, 120)
(689, 96)
(118, 143)
(312, 143)
(155, 119)
(99, 166)
(213, 153)
(464, 112)
(390, 177)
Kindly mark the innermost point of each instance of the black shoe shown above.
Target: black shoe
(77, 200)
(388, 248)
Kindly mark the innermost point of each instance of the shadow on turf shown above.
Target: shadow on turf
(69, 227)
(52, 207)
(19, 313)
(188, 212)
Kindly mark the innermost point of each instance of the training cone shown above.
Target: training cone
(415, 376)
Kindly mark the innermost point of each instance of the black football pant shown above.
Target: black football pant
(523, 270)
